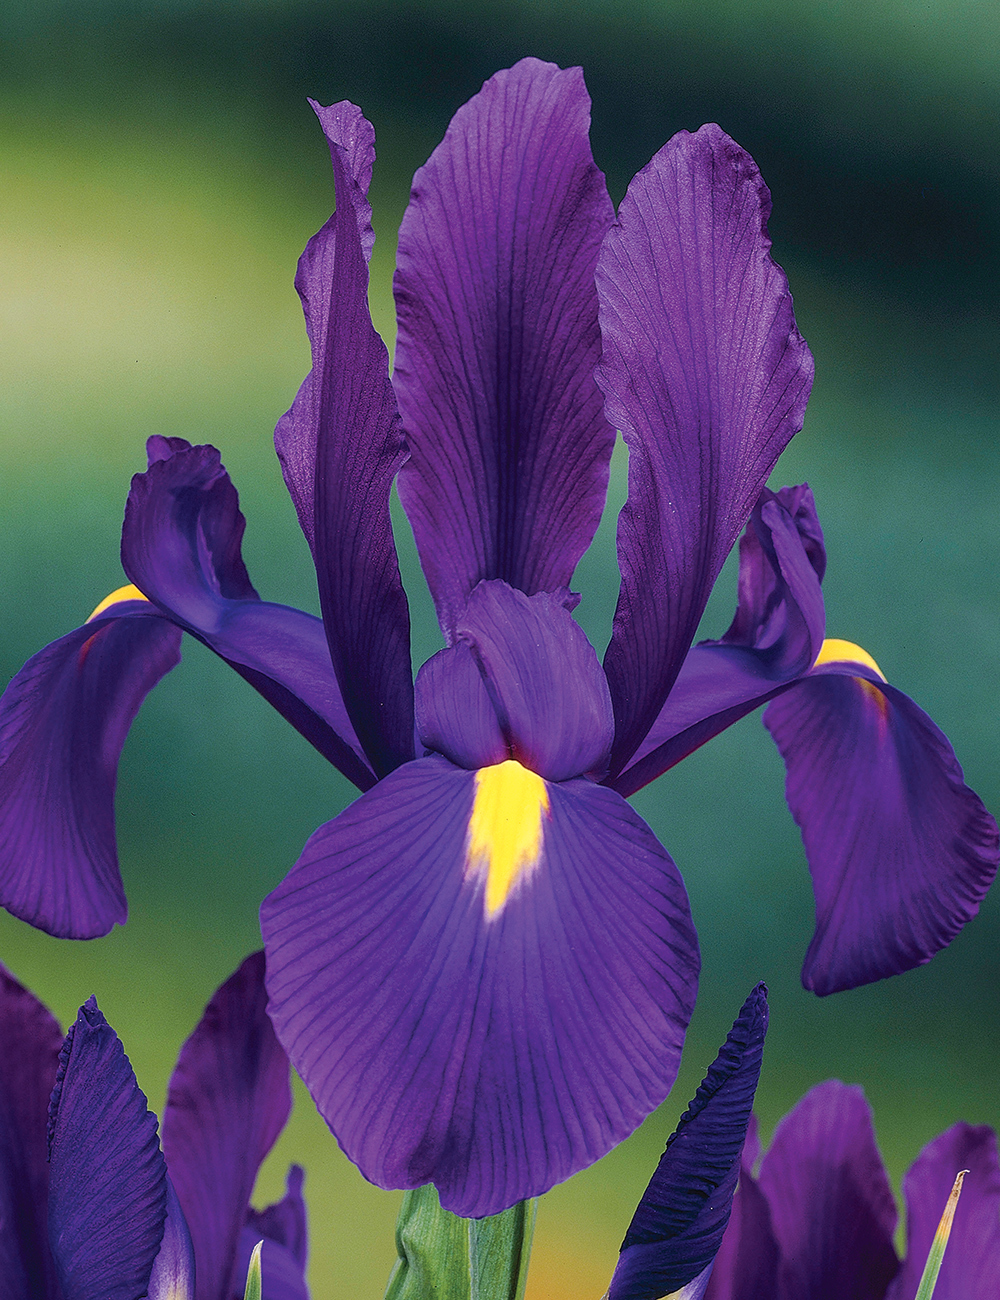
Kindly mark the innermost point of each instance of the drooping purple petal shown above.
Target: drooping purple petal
(181, 547)
(346, 128)
(282, 1227)
(707, 377)
(108, 1179)
(901, 851)
(498, 340)
(540, 678)
(832, 1208)
(63, 721)
(29, 1053)
(229, 1099)
(173, 1272)
(678, 1227)
(774, 637)
(746, 1267)
(971, 1267)
(491, 1045)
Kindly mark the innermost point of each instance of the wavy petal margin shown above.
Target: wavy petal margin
(707, 377)
(493, 1053)
(498, 340)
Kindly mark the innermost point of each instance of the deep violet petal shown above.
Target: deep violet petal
(678, 1227)
(63, 721)
(901, 851)
(172, 1277)
(181, 548)
(229, 1098)
(493, 1054)
(774, 637)
(498, 340)
(108, 1179)
(971, 1266)
(707, 377)
(29, 1053)
(746, 1267)
(832, 1208)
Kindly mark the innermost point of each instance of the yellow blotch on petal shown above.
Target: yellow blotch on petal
(505, 828)
(833, 651)
(128, 592)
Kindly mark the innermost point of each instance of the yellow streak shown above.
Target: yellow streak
(505, 828)
(128, 592)
(833, 651)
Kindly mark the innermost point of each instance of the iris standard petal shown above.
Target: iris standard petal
(229, 1098)
(677, 1229)
(498, 340)
(746, 1267)
(181, 547)
(707, 377)
(108, 1179)
(971, 1263)
(832, 1208)
(63, 721)
(540, 678)
(774, 638)
(347, 129)
(483, 978)
(29, 1054)
(900, 850)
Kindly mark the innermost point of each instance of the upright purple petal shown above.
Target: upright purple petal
(229, 1099)
(746, 1267)
(63, 721)
(832, 1208)
(346, 128)
(498, 340)
(901, 851)
(108, 1188)
(971, 1267)
(29, 1054)
(707, 377)
(774, 638)
(678, 1227)
(463, 1014)
(539, 676)
(181, 547)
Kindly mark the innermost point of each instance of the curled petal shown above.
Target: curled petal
(774, 638)
(108, 1182)
(480, 994)
(63, 721)
(29, 1053)
(229, 1099)
(677, 1229)
(901, 851)
(832, 1208)
(971, 1264)
(707, 377)
(498, 340)
(181, 548)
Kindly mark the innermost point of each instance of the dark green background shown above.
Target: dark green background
(159, 174)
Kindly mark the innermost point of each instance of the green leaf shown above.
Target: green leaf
(253, 1275)
(933, 1266)
(444, 1257)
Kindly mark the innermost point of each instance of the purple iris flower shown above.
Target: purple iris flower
(483, 969)
(816, 1221)
(678, 1228)
(92, 1209)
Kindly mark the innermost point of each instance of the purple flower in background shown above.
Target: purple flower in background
(678, 1228)
(95, 1210)
(483, 969)
(817, 1221)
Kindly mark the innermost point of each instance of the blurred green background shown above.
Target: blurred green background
(160, 172)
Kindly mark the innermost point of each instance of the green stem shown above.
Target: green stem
(444, 1257)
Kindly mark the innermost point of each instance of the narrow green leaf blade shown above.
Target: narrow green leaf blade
(253, 1289)
(933, 1266)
